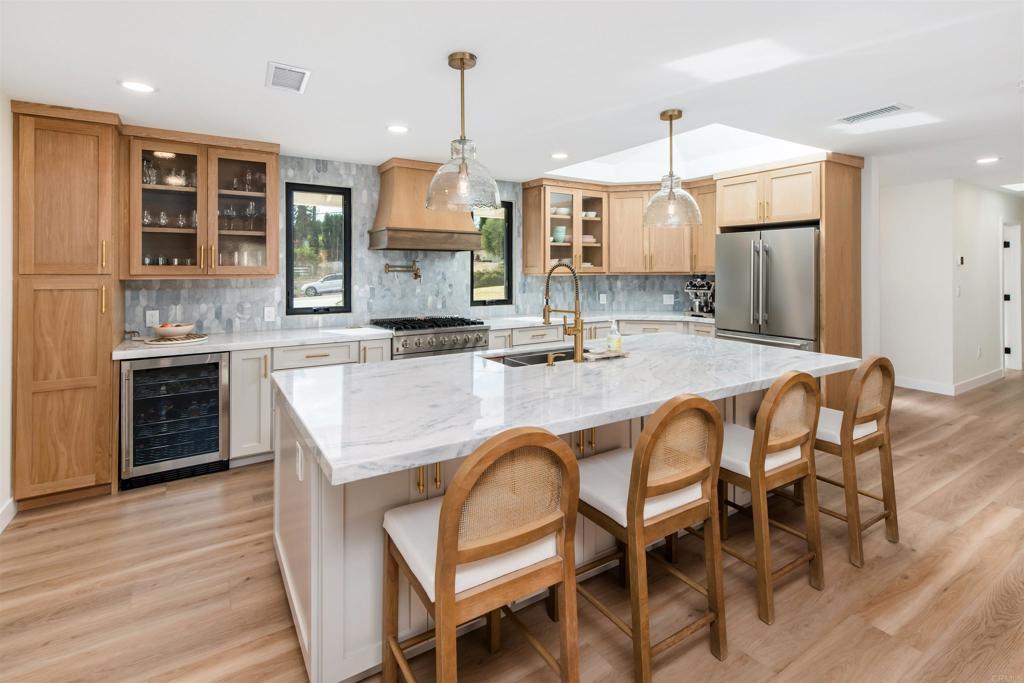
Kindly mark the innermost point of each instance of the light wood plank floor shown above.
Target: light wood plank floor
(180, 583)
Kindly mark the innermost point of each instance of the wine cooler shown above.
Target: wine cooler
(174, 418)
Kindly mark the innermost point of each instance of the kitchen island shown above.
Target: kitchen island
(354, 441)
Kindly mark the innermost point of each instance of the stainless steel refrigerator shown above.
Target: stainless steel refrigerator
(766, 287)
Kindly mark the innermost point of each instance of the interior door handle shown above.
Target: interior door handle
(761, 303)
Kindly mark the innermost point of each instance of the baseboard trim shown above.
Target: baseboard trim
(244, 460)
(926, 385)
(7, 513)
(980, 380)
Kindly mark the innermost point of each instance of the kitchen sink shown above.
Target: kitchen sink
(518, 360)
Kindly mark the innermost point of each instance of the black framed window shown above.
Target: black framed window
(491, 276)
(318, 249)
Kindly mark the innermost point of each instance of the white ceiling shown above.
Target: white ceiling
(585, 78)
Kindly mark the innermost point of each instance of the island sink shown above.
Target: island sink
(518, 360)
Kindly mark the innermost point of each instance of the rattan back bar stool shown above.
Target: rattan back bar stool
(862, 426)
(504, 529)
(779, 451)
(654, 491)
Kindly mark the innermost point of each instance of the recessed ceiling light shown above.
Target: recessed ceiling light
(136, 86)
(1016, 187)
(988, 160)
(559, 156)
(398, 129)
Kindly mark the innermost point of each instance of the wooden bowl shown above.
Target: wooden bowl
(175, 330)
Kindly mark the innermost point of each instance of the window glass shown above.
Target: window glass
(492, 265)
(319, 247)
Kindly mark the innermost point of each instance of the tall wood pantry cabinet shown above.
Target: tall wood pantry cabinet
(68, 312)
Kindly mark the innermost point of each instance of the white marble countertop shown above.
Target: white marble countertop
(239, 341)
(368, 420)
(521, 321)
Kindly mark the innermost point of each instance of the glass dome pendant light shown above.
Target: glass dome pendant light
(463, 183)
(672, 206)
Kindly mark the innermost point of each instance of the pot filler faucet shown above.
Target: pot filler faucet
(576, 329)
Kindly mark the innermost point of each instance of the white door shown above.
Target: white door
(1012, 304)
(250, 403)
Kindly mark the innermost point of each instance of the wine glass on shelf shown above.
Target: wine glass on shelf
(250, 211)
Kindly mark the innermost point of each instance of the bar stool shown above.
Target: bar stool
(664, 485)
(863, 425)
(503, 530)
(779, 451)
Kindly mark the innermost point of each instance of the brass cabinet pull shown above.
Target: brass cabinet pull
(421, 479)
(317, 355)
(437, 476)
(213, 260)
(581, 442)
(265, 364)
(766, 209)
(103, 253)
(364, 354)
(539, 335)
(202, 256)
(593, 439)
(103, 299)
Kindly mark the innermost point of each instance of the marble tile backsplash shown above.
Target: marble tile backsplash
(238, 305)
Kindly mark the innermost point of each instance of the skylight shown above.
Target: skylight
(699, 152)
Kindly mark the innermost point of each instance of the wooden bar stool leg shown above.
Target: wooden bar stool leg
(723, 508)
(551, 604)
(389, 667)
(445, 652)
(640, 611)
(623, 569)
(494, 631)
(813, 530)
(853, 530)
(715, 583)
(671, 548)
(763, 556)
(892, 527)
(568, 628)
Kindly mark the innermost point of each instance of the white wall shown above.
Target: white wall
(978, 218)
(916, 275)
(6, 303)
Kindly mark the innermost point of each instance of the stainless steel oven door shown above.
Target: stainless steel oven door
(129, 468)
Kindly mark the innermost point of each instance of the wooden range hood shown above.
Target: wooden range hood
(403, 222)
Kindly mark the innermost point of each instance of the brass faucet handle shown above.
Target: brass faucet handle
(552, 356)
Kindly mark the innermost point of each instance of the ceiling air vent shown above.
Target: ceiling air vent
(874, 113)
(285, 77)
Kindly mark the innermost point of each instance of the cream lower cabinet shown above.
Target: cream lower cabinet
(250, 411)
(499, 339)
(594, 332)
(374, 350)
(329, 543)
(650, 327)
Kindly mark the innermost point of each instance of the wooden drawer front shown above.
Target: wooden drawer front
(702, 329)
(648, 327)
(536, 335)
(315, 354)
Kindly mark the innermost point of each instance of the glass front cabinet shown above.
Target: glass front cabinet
(568, 225)
(201, 211)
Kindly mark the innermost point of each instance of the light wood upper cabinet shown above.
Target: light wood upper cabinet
(626, 235)
(65, 196)
(63, 375)
(704, 235)
(792, 194)
(738, 200)
(564, 224)
(198, 211)
(778, 196)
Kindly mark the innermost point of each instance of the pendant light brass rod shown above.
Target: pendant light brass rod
(670, 146)
(462, 99)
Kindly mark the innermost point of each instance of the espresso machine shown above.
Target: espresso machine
(702, 295)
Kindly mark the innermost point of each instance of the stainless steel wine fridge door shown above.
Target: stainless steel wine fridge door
(174, 413)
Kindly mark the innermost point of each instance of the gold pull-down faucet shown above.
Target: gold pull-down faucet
(576, 329)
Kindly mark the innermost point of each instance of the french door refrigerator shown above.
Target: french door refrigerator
(766, 287)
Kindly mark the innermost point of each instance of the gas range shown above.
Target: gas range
(434, 335)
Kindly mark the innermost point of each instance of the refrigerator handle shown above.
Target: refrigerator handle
(762, 274)
(753, 246)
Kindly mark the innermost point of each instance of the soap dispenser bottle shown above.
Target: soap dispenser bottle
(614, 338)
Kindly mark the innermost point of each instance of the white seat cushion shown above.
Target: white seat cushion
(829, 422)
(736, 448)
(413, 528)
(604, 485)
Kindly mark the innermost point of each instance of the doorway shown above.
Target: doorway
(1012, 305)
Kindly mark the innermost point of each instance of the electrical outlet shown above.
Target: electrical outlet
(602, 298)
(152, 318)
(269, 312)
(668, 299)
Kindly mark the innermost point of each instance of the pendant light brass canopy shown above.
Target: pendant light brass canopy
(463, 183)
(672, 206)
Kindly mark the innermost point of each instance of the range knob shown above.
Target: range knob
(478, 338)
(419, 343)
(405, 343)
(431, 341)
(444, 340)
(465, 339)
